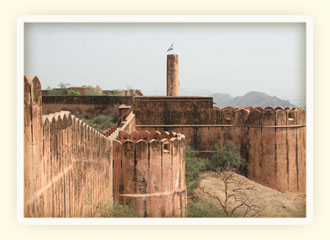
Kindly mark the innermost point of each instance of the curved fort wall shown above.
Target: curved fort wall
(67, 164)
(149, 173)
(273, 141)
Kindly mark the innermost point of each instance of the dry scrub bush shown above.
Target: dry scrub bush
(236, 195)
(108, 210)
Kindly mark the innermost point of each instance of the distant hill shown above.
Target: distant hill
(252, 99)
(192, 92)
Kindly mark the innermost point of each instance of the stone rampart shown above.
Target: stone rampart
(271, 140)
(149, 173)
(84, 105)
(172, 110)
(67, 164)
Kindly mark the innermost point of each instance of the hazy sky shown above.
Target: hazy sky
(232, 58)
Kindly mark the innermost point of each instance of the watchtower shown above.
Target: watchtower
(173, 75)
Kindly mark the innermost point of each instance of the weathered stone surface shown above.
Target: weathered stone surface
(176, 171)
(128, 166)
(84, 105)
(292, 148)
(266, 146)
(301, 151)
(67, 164)
(167, 179)
(268, 149)
(117, 176)
(153, 174)
(142, 178)
(281, 151)
(156, 185)
(255, 145)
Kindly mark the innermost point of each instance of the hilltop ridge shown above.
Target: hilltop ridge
(252, 99)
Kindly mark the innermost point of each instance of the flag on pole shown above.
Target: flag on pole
(170, 48)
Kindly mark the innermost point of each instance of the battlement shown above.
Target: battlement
(252, 117)
(147, 136)
(67, 164)
(149, 173)
(188, 112)
(65, 157)
(271, 140)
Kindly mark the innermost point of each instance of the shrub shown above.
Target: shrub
(94, 93)
(199, 208)
(227, 158)
(111, 93)
(194, 167)
(72, 92)
(116, 210)
(100, 122)
(54, 92)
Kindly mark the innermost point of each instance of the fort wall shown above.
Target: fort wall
(172, 110)
(67, 164)
(149, 173)
(84, 105)
(271, 140)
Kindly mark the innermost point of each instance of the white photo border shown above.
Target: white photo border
(165, 19)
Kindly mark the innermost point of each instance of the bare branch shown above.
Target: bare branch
(236, 195)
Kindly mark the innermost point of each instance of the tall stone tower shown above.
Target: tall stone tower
(173, 75)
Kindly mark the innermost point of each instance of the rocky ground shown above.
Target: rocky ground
(241, 197)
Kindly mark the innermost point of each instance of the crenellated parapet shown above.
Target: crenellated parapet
(159, 111)
(67, 164)
(149, 173)
(272, 140)
(254, 116)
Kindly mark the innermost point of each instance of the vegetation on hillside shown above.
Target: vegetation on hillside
(201, 208)
(104, 93)
(72, 92)
(64, 90)
(100, 122)
(108, 210)
(226, 158)
(111, 93)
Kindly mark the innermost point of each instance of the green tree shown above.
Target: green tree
(54, 92)
(72, 92)
(194, 167)
(227, 158)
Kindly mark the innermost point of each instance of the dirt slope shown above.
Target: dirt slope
(246, 198)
